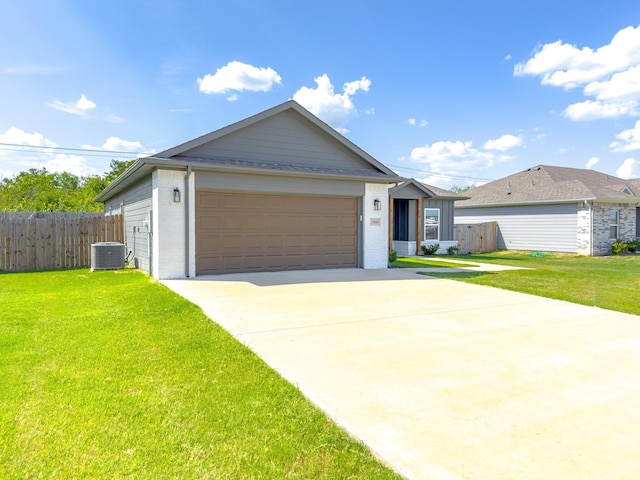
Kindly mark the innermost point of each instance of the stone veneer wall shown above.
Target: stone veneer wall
(600, 226)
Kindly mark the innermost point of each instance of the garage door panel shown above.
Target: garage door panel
(247, 232)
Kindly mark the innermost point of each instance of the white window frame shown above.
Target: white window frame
(425, 224)
(614, 225)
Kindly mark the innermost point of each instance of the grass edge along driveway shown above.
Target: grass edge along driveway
(605, 282)
(111, 375)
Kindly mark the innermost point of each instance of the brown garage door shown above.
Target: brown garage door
(253, 233)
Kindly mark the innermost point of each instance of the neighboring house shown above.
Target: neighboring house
(280, 190)
(421, 215)
(556, 209)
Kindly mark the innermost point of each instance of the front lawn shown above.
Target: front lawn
(605, 282)
(110, 375)
(426, 262)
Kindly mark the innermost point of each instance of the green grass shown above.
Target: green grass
(606, 282)
(109, 375)
(420, 262)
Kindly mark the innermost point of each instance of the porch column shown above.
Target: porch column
(418, 231)
(390, 223)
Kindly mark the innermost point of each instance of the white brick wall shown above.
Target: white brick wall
(168, 225)
(375, 228)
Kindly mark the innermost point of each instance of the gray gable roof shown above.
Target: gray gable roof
(427, 190)
(197, 148)
(345, 160)
(548, 184)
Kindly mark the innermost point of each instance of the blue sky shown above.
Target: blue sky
(448, 92)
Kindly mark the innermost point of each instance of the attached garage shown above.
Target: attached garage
(277, 191)
(238, 232)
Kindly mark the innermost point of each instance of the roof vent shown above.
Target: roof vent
(107, 256)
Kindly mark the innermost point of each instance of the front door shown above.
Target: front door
(400, 219)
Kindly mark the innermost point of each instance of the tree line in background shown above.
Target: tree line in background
(39, 190)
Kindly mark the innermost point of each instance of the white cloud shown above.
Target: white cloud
(80, 107)
(504, 143)
(238, 76)
(621, 85)
(630, 140)
(114, 119)
(417, 123)
(334, 108)
(594, 110)
(610, 74)
(592, 162)
(564, 65)
(454, 158)
(74, 164)
(449, 163)
(48, 154)
(630, 168)
(117, 144)
(16, 136)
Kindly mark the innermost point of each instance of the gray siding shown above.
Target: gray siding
(235, 182)
(408, 192)
(550, 228)
(446, 216)
(137, 204)
(286, 138)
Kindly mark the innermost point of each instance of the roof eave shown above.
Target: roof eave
(550, 202)
(145, 165)
(130, 175)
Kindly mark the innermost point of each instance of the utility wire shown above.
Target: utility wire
(436, 174)
(39, 148)
(109, 154)
(89, 152)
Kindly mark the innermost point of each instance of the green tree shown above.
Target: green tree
(39, 190)
(457, 189)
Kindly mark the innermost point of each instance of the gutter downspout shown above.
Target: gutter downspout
(187, 239)
(590, 229)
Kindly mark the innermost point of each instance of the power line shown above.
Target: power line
(43, 149)
(90, 152)
(439, 175)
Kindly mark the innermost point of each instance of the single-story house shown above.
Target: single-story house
(280, 190)
(556, 209)
(420, 215)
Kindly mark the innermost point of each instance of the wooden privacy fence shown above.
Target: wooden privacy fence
(53, 241)
(477, 237)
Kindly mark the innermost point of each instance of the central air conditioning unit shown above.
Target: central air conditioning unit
(107, 256)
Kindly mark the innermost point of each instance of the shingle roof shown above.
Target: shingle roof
(442, 193)
(544, 183)
(282, 167)
(429, 190)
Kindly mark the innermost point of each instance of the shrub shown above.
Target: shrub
(430, 249)
(453, 250)
(393, 256)
(633, 246)
(618, 247)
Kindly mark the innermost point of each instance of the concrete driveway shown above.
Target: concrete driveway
(445, 380)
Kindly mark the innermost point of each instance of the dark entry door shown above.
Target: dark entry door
(401, 219)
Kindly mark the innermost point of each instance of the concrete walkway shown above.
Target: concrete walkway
(442, 379)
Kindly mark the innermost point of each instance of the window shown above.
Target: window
(432, 224)
(613, 224)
